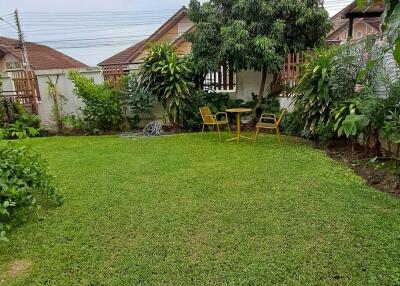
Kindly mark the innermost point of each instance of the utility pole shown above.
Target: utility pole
(25, 59)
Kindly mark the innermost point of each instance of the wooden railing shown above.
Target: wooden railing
(291, 69)
(26, 90)
(113, 74)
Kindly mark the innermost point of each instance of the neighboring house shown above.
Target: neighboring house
(171, 31)
(30, 88)
(40, 57)
(352, 23)
(240, 85)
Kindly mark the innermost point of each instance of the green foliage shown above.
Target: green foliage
(352, 64)
(391, 128)
(324, 133)
(18, 124)
(254, 34)
(137, 100)
(58, 101)
(353, 125)
(102, 110)
(391, 22)
(314, 96)
(168, 77)
(77, 123)
(24, 182)
(346, 120)
(216, 101)
(293, 123)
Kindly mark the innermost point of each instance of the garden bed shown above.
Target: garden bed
(378, 174)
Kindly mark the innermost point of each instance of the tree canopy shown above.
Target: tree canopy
(254, 34)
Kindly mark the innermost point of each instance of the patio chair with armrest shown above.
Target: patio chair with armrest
(270, 121)
(210, 119)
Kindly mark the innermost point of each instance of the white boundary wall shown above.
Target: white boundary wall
(65, 87)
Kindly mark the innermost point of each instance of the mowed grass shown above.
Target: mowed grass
(180, 210)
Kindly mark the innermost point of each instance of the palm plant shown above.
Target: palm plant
(314, 95)
(168, 77)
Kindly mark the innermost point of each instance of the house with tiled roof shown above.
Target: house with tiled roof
(40, 57)
(239, 85)
(352, 23)
(172, 31)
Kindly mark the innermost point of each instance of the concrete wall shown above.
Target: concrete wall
(65, 87)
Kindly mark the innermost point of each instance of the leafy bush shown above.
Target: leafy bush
(324, 133)
(169, 78)
(77, 123)
(350, 64)
(314, 95)
(24, 182)
(102, 110)
(17, 123)
(293, 123)
(137, 99)
(348, 121)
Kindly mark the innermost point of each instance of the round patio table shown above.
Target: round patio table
(238, 111)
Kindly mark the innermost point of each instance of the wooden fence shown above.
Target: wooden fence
(291, 69)
(26, 90)
(113, 74)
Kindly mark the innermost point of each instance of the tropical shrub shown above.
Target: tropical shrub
(18, 123)
(315, 98)
(324, 133)
(137, 99)
(347, 121)
(293, 123)
(168, 77)
(351, 64)
(77, 123)
(102, 110)
(25, 182)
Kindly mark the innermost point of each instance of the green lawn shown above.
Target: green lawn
(179, 210)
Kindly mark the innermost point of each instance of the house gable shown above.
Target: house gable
(171, 31)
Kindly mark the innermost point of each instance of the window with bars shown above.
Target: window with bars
(224, 80)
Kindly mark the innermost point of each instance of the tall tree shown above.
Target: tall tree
(254, 34)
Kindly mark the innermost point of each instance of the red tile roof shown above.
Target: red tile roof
(40, 57)
(123, 57)
(129, 55)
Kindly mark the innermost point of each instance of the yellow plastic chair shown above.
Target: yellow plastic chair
(269, 121)
(210, 119)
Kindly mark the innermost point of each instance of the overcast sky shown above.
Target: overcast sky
(52, 22)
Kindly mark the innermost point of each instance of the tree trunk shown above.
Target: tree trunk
(261, 92)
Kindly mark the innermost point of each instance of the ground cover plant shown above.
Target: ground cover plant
(25, 183)
(16, 122)
(178, 210)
